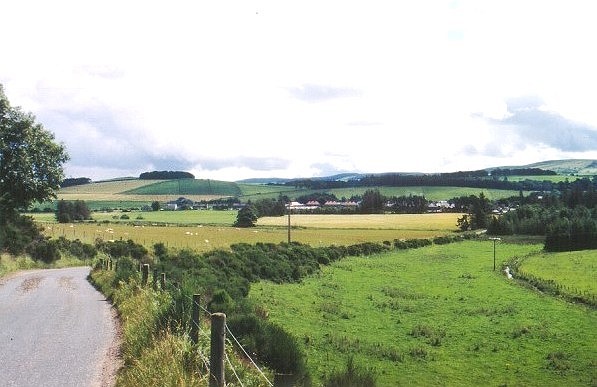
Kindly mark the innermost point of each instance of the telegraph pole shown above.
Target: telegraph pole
(494, 240)
(289, 222)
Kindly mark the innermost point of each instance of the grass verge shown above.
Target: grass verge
(155, 351)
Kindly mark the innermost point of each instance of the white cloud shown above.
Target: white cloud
(262, 88)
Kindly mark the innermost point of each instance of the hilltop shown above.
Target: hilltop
(580, 167)
(120, 192)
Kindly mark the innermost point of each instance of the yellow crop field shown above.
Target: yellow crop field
(314, 230)
(106, 187)
(114, 191)
(431, 222)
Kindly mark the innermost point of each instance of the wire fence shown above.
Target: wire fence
(197, 325)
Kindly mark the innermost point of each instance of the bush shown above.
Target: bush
(125, 269)
(44, 250)
(352, 376)
(17, 233)
(221, 302)
(277, 348)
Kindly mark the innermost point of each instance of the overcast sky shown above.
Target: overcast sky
(236, 89)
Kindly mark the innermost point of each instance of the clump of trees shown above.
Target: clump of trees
(567, 219)
(30, 171)
(166, 175)
(478, 210)
(246, 217)
(71, 182)
(72, 211)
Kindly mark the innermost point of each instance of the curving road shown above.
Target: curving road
(56, 330)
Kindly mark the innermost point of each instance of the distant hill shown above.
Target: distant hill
(134, 189)
(277, 180)
(563, 167)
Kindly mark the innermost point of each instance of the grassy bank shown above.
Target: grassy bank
(10, 264)
(155, 350)
(436, 315)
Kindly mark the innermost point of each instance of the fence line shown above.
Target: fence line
(111, 264)
(233, 371)
(247, 355)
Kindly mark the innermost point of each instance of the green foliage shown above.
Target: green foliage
(221, 302)
(30, 160)
(125, 270)
(411, 243)
(158, 175)
(160, 250)
(351, 376)
(155, 206)
(117, 249)
(478, 210)
(17, 232)
(373, 202)
(247, 217)
(269, 207)
(44, 250)
(275, 347)
(78, 249)
(68, 211)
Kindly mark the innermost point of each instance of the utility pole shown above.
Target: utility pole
(289, 222)
(494, 240)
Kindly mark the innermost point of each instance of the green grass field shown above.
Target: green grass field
(576, 270)
(182, 187)
(436, 316)
(430, 193)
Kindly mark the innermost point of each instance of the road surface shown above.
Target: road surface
(56, 330)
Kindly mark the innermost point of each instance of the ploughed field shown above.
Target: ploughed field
(440, 315)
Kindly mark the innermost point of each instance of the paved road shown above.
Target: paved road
(55, 330)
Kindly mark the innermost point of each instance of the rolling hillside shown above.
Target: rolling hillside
(129, 190)
(564, 167)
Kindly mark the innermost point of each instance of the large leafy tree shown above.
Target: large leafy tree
(373, 202)
(30, 160)
(246, 217)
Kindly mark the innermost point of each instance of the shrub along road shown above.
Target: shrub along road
(56, 330)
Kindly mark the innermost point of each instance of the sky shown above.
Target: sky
(230, 90)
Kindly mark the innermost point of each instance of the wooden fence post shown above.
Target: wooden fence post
(195, 319)
(155, 279)
(163, 281)
(145, 274)
(216, 358)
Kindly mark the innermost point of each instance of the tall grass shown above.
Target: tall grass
(155, 351)
(9, 263)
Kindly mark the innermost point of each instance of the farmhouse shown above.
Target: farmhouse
(336, 204)
(440, 206)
